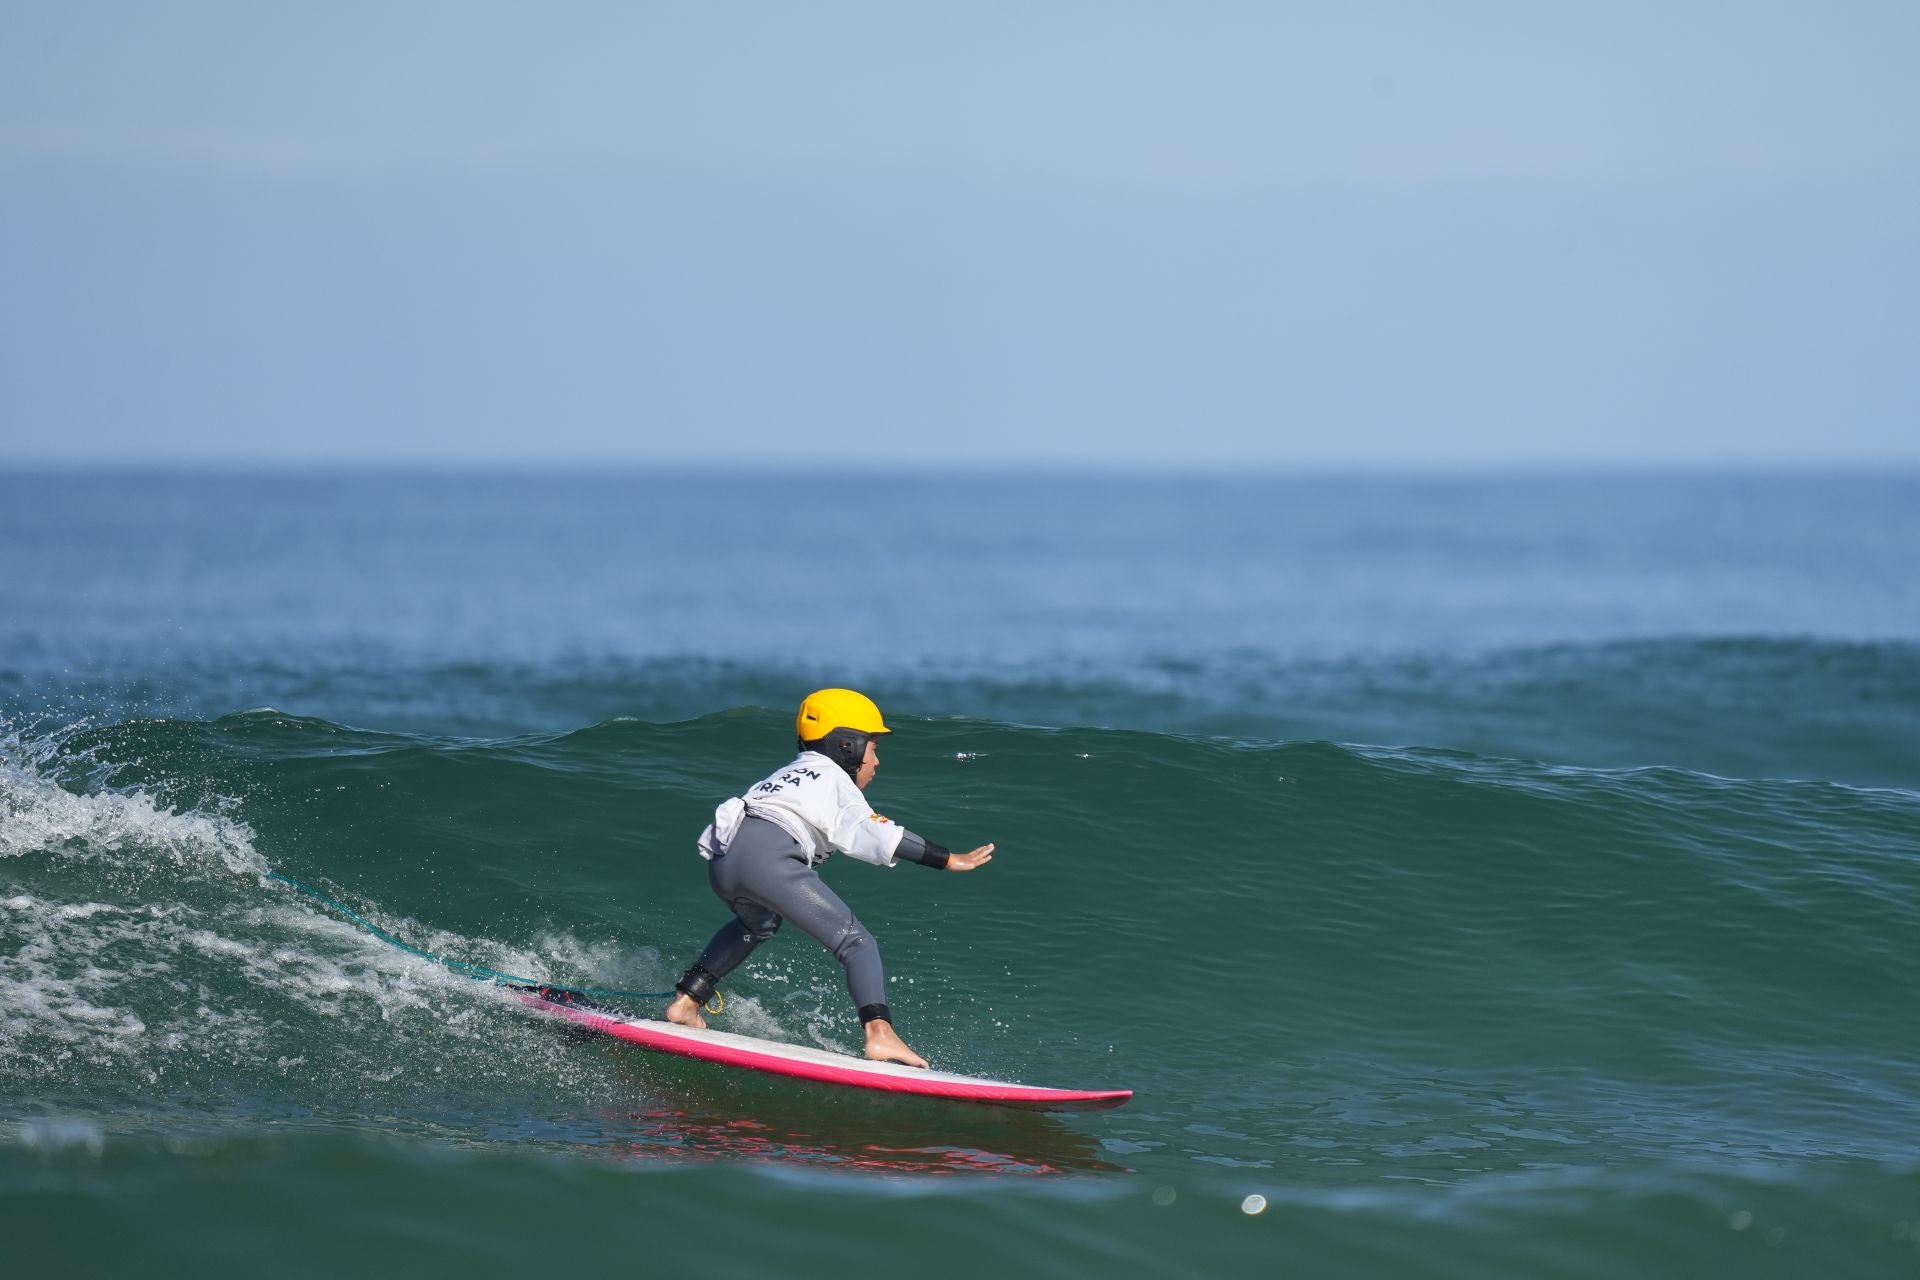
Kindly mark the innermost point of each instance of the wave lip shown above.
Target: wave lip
(39, 816)
(1734, 705)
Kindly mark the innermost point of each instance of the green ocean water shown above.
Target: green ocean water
(1554, 947)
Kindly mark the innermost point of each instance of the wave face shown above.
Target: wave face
(1335, 975)
(1544, 947)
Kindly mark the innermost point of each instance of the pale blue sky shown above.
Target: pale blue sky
(1196, 235)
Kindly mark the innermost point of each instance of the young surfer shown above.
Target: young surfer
(762, 850)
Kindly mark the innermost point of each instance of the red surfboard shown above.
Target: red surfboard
(831, 1068)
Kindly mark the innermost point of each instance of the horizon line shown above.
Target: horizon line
(587, 466)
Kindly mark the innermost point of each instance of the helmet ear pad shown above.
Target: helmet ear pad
(845, 747)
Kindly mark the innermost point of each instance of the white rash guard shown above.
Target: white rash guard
(814, 801)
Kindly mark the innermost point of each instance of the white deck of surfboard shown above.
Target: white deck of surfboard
(805, 1053)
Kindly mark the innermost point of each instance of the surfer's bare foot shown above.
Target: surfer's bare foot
(884, 1045)
(684, 1011)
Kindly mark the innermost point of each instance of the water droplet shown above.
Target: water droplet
(1164, 1196)
(1253, 1204)
(1741, 1220)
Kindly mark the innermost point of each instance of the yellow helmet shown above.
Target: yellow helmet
(829, 709)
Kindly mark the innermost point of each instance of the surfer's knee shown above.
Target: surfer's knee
(851, 940)
(757, 924)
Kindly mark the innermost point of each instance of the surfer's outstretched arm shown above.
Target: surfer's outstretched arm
(917, 848)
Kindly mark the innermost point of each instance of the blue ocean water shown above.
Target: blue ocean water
(1472, 875)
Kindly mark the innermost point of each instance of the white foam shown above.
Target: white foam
(600, 964)
(326, 984)
(216, 967)
(39, 816)
(53, 990)
(146, 991)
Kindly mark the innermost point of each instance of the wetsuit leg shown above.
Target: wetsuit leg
(765, 878)
(728, 949)
(818, 912)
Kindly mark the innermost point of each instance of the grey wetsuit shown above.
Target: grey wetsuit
(764, 877)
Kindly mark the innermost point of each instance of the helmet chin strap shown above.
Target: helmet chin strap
(845, 747)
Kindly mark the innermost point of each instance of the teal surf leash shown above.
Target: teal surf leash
(560, 995)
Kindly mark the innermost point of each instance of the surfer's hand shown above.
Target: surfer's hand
(971, 861)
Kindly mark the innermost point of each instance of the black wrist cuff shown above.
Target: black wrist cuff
(921, 850)
(875, 1013)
